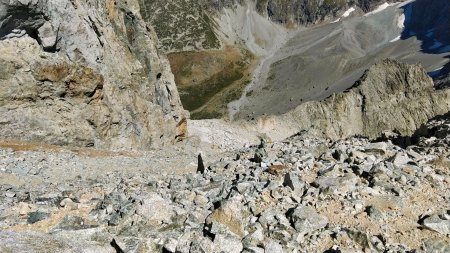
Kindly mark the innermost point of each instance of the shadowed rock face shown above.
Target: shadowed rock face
(429, 22)
(390, 97)
(443, 80)
(84, 73)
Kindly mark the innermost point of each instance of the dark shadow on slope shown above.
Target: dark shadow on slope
(21, 18)
(442, 77)
(436, 127)
(429, 22)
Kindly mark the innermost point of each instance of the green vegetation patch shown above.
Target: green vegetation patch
(193, 97)
(207, 81)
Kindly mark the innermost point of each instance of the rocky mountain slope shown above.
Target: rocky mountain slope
(304, 194)
(390, 98)
(184, 25)
(305, 12)
(322, 60)
(84, 73)
(365, 169)
(214, 28)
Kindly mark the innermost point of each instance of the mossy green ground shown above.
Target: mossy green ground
(209, 80)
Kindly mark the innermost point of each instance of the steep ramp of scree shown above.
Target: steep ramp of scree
(327, 59)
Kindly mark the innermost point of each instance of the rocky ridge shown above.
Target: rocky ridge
(390, 97)
(84, 73)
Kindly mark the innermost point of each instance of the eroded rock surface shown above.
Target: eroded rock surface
(84, 73)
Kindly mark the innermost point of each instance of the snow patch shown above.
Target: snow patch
(337, 20)
(379, 9)
(401, 21)
(396, 39)
(348, 12)
(435, 73)
(401, 4)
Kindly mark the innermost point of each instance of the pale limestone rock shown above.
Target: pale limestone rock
(230, 215)
(105, 86)
(155, 209)
(47, 36)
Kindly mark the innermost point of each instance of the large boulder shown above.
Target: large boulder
(84, 73)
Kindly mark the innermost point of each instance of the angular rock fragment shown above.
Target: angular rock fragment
(306, 220)
(200, 165)
(437, 224)
(155, 209)
(293, 181)
(230, 215)
(47, 36)
(228, 244)
(37, 216)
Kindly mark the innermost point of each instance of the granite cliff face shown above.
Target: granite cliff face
(84, 73)
(390, 97)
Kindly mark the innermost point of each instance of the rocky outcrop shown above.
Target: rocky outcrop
(390, 97)
(84, 73)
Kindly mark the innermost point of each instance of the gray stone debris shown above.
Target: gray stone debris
(349, 195)
(292, 179)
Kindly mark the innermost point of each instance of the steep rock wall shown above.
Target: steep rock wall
(84, 73)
